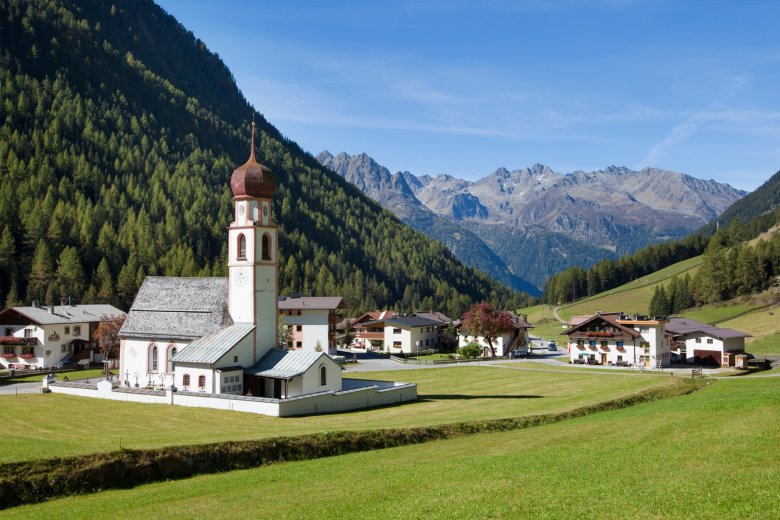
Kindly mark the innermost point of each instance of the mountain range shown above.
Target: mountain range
(524, 225)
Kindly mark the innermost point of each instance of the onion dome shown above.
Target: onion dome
(253, 179)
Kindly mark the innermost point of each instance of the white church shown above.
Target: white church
(219, 335)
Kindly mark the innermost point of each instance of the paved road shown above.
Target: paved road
(20, 388)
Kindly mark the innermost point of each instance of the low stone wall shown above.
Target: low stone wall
(356, 394)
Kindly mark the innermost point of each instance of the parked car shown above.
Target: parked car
(520, 353)
(552, 347)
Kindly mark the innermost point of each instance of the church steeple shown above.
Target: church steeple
(253, 252)
(253, 179)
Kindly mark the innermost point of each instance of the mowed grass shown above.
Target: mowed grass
(53, 425)
(710, 454)
(716, 314)
(633, 297)
(764, 325)
(765, 345)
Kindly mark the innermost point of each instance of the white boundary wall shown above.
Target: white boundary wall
(358, 393)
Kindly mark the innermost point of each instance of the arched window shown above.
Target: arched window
(266, 247)
(152, 358)
(171, 352)
(241, 246)
(185, 381)
(202, 382)
(323, 376)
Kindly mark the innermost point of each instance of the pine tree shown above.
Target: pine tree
(105, 290)
(41, 273)
(70, 274)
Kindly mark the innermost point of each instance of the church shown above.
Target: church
(220, 335)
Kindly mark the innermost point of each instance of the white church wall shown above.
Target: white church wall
(134, 366)
(362, 394)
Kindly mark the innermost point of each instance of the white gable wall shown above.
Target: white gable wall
(134, 366)
(314, 328)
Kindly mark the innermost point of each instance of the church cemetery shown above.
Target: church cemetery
(709, 454)
(65, 425)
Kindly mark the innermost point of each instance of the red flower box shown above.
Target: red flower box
(7, 355)
(26, 356)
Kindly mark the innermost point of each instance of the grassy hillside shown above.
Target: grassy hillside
(119, 131)
(58, 426)
(710, 454)
(633, 297)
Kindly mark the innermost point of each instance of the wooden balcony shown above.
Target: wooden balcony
(13, 340)
(359, 334)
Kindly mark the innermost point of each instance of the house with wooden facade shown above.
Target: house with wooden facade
(47, 336)
(617, 339)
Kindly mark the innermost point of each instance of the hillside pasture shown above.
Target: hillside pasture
(713, 451)
(65, 425)
(633, 297)
(716, 314)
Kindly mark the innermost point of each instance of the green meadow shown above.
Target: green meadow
(66, 425)
(710, 454)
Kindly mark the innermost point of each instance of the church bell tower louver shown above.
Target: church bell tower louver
(253, 252)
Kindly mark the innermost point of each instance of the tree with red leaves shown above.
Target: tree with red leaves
(482, 320)
(107, 334)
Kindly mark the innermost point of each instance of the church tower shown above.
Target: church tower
(253, 252)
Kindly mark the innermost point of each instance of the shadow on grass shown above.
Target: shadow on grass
(443, 397)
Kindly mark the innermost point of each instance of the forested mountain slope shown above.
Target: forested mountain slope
(118, 134)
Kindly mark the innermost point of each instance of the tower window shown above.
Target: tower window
(241, 247)
(266, 247)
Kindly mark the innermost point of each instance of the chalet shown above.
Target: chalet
(43, 337)
(402, 334)
(504, 344)
(374, 336)
(311, 322)
(616, 339)
(692, 341)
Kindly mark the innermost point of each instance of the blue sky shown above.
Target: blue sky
(463, 87)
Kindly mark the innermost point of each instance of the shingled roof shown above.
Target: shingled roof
(178, 308)
(683, 326)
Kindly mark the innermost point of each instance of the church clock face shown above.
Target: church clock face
(241, 278)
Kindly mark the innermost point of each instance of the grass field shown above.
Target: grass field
(764, 325)
(633, 297)
(718, 313)
(66, 425)
(710, 454)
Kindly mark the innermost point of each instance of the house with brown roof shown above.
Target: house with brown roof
(617, 339)
(401, 334)
(700, 343)
(311, 322)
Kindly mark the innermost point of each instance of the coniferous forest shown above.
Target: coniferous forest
(118, 134)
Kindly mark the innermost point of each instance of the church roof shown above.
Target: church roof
(284, 364)
(209, 349)
(178, 308)
(253, 179)
(60, 314)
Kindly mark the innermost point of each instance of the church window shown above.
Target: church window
(153, 358)
(241, 247)
(323, 376)
(171, 352)
(266, 247)
(185, 380)
(202, 382)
